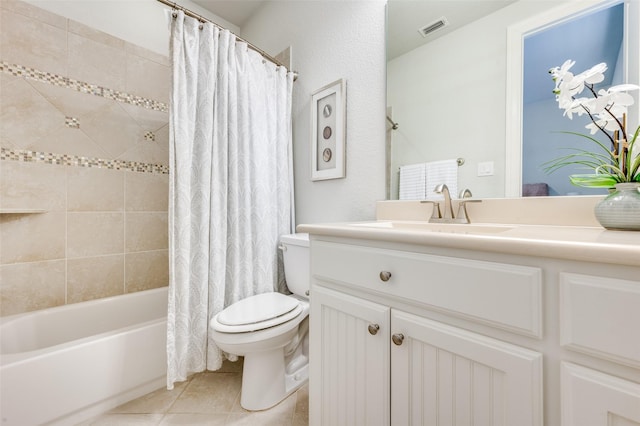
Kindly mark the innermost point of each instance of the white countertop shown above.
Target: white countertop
(582, 243)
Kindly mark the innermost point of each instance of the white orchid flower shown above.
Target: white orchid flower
(604, 107)
(623, 88)
(603, 121)
(595, 74)
(600, 104)
(564, 99)
(565, 102)
(614, 100)
(606, 110)
(617, 94)
(578, 106)
(617, 110)
(571, 85)
(593, 127)
(558, 73)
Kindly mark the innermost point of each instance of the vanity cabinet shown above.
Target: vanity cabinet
(351, 344)
(600, 317)
(443, 375)
(410, 335)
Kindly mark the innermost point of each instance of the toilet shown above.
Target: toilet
(271, 331)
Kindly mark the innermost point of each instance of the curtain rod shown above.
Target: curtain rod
(250, 45)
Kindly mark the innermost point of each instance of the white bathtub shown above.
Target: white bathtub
(67, 364)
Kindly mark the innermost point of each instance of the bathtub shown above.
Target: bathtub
(67, 364)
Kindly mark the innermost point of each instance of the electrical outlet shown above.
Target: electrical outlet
(485, 168)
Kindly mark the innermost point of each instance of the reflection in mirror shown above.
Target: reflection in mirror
(452, 98)
(628, 67)
(444, 92)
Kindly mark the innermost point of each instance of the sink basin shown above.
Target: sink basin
(452, 228)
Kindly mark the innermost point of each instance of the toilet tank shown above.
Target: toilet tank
(295, 252)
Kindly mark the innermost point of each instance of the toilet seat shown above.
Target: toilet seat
(257, 313)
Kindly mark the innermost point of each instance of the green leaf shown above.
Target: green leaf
(587, 159)
(594, 140)
(633, 165)
(593, 180)
(608, 169)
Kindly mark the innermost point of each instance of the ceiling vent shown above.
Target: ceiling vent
(434, 26)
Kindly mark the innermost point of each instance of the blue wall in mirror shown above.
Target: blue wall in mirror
(588, 40)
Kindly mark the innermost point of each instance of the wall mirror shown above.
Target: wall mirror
(458, 92)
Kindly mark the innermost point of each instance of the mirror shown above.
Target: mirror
(543, 123)
(451, 97)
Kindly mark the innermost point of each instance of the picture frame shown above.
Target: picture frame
(328, 128)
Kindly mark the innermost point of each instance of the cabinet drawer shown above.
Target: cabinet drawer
(502, 295)
(600, 316)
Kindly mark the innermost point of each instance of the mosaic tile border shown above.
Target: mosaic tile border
(72, 122)
(74, 160)
(80, 86)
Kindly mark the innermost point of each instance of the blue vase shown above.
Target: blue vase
(620, 210)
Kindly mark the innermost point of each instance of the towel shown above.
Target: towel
(413, 182)
(445, 171)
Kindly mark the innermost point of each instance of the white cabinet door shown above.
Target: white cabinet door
(443, 375)
(592, 398)
(349, 365)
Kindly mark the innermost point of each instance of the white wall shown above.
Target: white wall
(141, 22)
(448, 97)
(332, 40)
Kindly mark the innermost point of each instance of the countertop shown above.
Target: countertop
(581, 243)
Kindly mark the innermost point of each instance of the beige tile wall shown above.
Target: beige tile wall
(98, 231)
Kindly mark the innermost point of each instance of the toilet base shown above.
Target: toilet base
(265, 382)
(275, 360)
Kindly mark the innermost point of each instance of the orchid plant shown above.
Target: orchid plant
(614, 161)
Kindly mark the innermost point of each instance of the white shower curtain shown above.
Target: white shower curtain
(231, 186)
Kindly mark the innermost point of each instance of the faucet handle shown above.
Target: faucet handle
(465, 193)
(435, 213)
(462, 210)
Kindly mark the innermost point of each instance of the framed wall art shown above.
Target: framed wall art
(328, 132)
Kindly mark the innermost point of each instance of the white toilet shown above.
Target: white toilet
(271, 331)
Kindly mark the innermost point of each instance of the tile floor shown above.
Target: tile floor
(209, 398)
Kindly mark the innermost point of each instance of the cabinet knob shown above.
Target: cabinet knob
(398, 338)
(373, 329)
(385, 275)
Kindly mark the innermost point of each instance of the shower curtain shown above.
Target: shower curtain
(231, 185)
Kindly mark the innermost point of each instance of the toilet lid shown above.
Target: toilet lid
(256, 309)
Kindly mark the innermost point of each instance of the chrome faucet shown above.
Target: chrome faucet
(463, 216)
(447, 216)
(448, 208)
